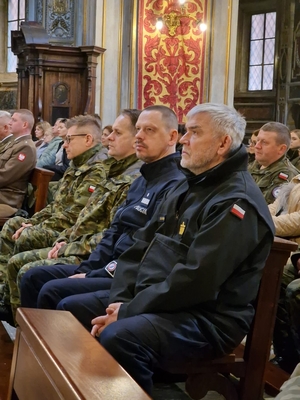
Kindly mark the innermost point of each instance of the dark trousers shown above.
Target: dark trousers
(50, 288)
(147, 342)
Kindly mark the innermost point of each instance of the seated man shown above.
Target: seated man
(155, 144)
(184, 290)
(105, 195)
(17, 159)
(271, 167)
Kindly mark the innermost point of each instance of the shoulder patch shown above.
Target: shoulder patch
(21, 157)
(275, 192)
(91, 188)
(283, 176)
(111, 267)
(238, 211)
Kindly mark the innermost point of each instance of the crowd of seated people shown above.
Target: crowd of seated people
(100, 223)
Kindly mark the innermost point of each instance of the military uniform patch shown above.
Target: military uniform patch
(92, 188)
(275, 192)
(111, 267)
(237, 211)
(21, 157)
(283, 176)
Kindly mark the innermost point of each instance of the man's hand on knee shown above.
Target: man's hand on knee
(53, 253)
(17, 234)
(100, 323)
(82, 275)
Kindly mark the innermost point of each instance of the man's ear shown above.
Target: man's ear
(225, 144)
(89, 139)
(173, 137)
(283, 148)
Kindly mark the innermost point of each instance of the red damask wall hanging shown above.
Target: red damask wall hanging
(171, 61)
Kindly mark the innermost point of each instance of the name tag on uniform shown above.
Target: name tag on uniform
(145, 201)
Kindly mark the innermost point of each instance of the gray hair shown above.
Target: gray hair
(5, 114)
(225, 120)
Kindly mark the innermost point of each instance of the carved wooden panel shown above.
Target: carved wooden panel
(57, 81)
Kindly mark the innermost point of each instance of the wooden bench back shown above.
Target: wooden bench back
(40, 179)
(55, 357)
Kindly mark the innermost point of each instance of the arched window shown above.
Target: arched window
(16, 14)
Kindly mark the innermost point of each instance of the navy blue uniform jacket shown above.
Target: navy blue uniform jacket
(202, 252)
(143, 197)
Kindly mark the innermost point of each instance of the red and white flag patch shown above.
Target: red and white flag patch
(283, 176)
(21, 157)
(92, 188)
(238, 211)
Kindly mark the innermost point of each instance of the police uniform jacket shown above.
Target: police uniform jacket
(202, 253)
(17, 159)
(143, 197)
(271, 178)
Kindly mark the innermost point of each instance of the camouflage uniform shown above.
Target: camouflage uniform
(75, 188)
(96, 216)
(271, 178)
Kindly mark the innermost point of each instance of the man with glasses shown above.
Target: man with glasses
(156, 139)
(86, 174)
(271, 167)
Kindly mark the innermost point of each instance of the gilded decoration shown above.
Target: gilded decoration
(171, 61)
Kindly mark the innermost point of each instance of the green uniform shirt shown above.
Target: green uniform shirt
(271, 178)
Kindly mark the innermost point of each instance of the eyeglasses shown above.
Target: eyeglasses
(68, 138)
(252, 142)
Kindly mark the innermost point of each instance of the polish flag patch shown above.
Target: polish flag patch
(238, 211)
(92, 189)
(21, 157)
(283, 176)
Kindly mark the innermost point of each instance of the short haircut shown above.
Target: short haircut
(283, 135)
(109, 128)
(225, 120)
(133, 114)
(87, 121)
(43, 125)
(26, 116)
(169, 117)
(297, 132)
(5, 114)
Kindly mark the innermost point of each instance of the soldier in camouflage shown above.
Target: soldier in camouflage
(271, 167)
(107, 194)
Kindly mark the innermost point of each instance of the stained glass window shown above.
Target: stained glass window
(16, 14)
(262, 51)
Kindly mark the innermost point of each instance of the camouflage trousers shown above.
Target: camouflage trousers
(286, 337)
(21, 263)
(33, 237)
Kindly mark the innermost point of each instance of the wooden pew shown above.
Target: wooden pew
(55, 357)
(54, 353)
(39, 179)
